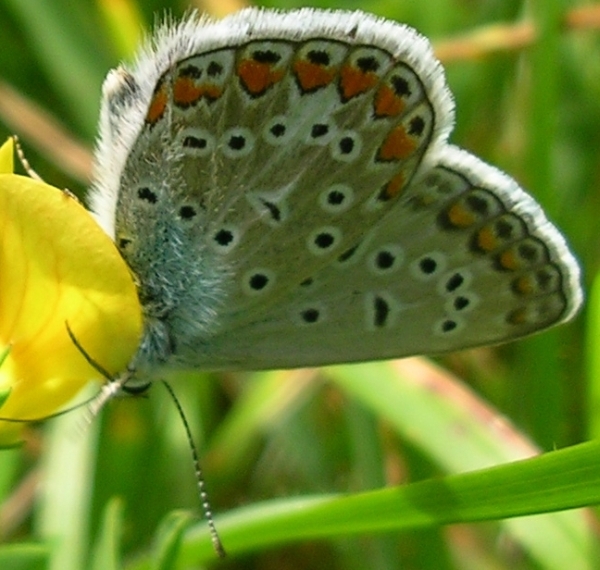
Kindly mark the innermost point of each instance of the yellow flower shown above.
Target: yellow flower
(57, 266)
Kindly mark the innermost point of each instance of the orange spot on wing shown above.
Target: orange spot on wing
(508, 260)
(353, 81)
(517, 317)
(212, 92)
(486, 239)
(397, 145)
(460, 216)
(258, 77)
(525, 285)
(387, 103)
(312, 76)
(393, 187)
(157, 106)
(186, 92)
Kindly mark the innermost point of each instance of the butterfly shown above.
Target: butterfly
(282, 187)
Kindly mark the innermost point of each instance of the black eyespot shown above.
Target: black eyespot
(454, 282)
(448, 326)
(146, 194)
(504, 229)
(461, 303)
(266, 56)
(544, 278)
(190, 71)
(273, 209)
(428, 265)
(335, 197)
(310, 315)
(382, 311)
(307, 282)
(346, 145)
(528, 252)
(401, 86)
(237, 142)
(416, 126)
(123, 243)
(223, 237)
(214, 69)
(478, 204)
(258, 281)
(187, 212)
(324, 240)
(318, 57)
(347, 254)
(385, 259)
(278, 130)
(194, 142)
(319, 130)
(384, 195)
(366, 64)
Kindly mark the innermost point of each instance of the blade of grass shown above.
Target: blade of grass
(106, 550)
(25, 556)
(64, 510)
(265, 399)
(458, 431)
(563, 479)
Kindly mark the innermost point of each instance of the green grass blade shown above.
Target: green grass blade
(64, 507)
(105, 554)
(564, 479)
(24, 556)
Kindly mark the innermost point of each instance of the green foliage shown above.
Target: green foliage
(380, 466)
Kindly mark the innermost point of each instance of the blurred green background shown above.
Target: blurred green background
(528, 103)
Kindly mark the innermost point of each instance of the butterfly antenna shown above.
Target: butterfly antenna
(30, 170)
(93, 363)
(68, 410)
(23, 160)
(206, 508)
(108, 390)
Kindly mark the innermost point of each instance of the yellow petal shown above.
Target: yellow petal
(7, 157)
(57, 267)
